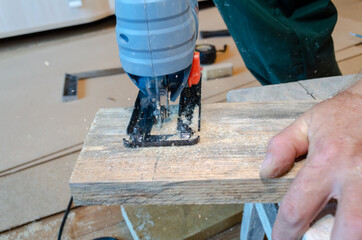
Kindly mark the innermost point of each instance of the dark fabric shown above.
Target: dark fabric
(283, 40)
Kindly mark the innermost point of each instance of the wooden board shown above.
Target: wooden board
(324, 88)
(278, 92)
(179, 221)
(222, 169)
(321, 88)
(83, 223)
(232, 233)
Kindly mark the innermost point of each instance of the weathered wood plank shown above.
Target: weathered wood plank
(232, 233)
(280, 92)
(222, 168)
(179, 221)
(83, 223)
(321, 88)
(324, 88)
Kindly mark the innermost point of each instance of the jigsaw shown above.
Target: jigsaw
(156, 40)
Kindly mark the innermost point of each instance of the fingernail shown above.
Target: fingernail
(267, 160)
(266, 166)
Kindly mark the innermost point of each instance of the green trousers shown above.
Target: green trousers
(283, 40)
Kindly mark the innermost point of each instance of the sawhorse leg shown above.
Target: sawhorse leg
(258, 219)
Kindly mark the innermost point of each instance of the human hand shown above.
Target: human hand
(331, 134)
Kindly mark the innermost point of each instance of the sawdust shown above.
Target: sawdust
(169, 126)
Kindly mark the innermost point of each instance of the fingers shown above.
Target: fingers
(348, 221)
(283, 148)
(308, 194)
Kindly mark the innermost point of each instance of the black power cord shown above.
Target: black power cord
(105, 238)
(65, 219)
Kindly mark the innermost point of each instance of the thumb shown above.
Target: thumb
(285, 147)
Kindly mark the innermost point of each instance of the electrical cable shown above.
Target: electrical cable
(65, 219)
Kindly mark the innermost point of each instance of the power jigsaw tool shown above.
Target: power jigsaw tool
(156, 40)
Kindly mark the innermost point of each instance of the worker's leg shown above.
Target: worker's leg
(283, 40)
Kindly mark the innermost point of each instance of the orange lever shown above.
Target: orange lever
(195, 74)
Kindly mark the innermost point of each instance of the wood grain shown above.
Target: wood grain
(222, 169)
(278, 92)
(232, 233)
(324, 88)
(83, 223)
(174, 222)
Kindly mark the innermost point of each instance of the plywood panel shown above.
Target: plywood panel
(35, 192)
(344, 26)
(351, 65)
(280, 92)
